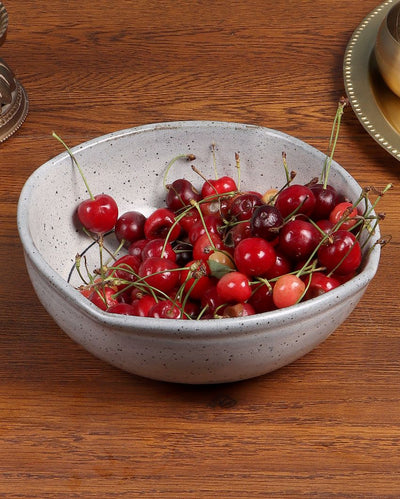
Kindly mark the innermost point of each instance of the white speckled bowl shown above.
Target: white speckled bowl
(130, 165)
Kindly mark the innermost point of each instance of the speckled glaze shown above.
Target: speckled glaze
(130, 165)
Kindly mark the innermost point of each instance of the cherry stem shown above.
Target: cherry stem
(75, 162)
(307, 285)
(289, 175)
(333, 140)
(188, 157)
(205, 179)
(78, 259)
(237, 161)
(196, 205)
(214, 160)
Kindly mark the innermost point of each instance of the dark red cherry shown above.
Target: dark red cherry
(298, 239)
(318, 283)
(325, 200)
(180, 193)
(254, 256)
(121, 309)
(238, 232)
(261, 299)
(242, 206)
(266, 221)
(341, 253)
(136, 248)
(130, 227)
(211, 299)
(297, 199)
(325, 225)
(281, 266)
(183, 251)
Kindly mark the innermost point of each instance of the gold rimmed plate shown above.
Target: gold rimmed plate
(375, 105)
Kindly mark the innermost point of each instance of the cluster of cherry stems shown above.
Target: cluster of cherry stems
(221, 252)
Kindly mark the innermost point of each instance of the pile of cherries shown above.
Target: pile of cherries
(221, 252)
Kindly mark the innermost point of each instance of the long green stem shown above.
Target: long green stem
(75, 162)
(333, 141)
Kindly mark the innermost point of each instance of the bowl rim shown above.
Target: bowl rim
(155, 327)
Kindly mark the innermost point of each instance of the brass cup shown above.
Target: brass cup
(387, 49)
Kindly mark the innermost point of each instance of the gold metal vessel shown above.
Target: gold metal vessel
(387, 49)
(13, 99)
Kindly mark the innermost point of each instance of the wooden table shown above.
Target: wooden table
(72, 426)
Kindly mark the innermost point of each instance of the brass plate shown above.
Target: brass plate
(375, 105)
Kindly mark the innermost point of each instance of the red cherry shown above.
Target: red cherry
(160, 273)
(162, 224)
(121, 309)
(136, 248)
(189, 219)
(345, 213)
(125, 268)
(341, 253)
(318, 283)
(238, 310)
(325, 225)
(142, 306)
(103, 297)
(130, 227)
(211, 299)
(195, 278)
(98, 215)
(254, 256)
(166, 309)
(203, 247)
(234, 287)
(217, 206)
(297, 199)
(158, 247)
(210, 222)
(221, 185)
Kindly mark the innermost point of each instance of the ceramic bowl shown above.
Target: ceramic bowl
(387, 49)
(130, 165)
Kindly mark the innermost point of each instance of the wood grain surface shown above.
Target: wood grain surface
(72, 426)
